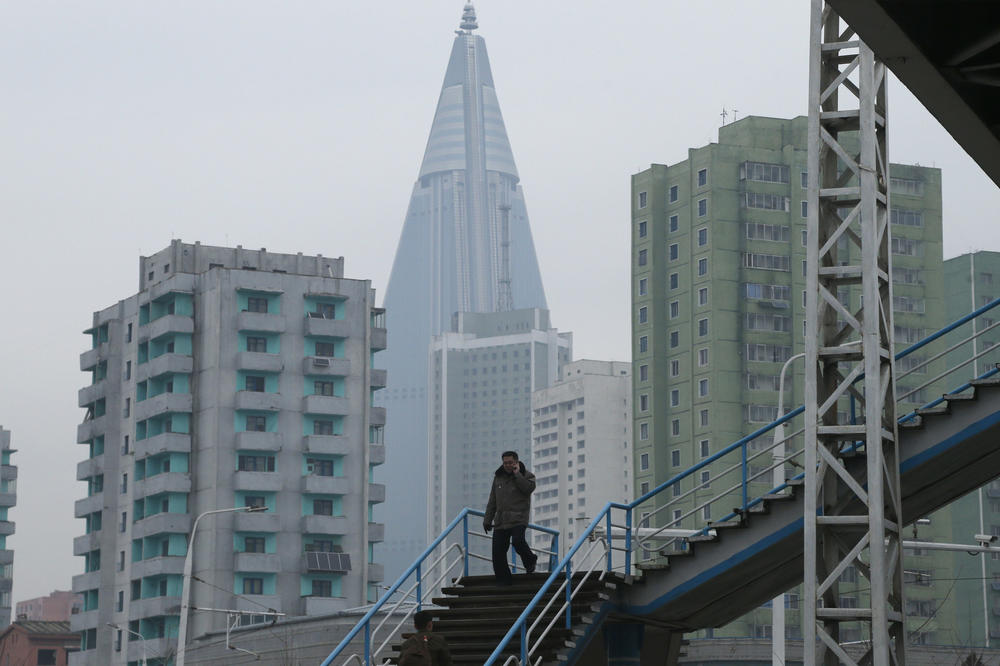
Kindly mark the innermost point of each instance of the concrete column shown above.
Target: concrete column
(623, 643)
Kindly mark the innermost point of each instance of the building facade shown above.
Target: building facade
(8, 498)
(233, 378)
(581, 446)
(56, 607)
(466, 246)
(718, 292)
(482, 376)
(36, 642)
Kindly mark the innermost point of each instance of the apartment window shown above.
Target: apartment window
(643, 431)
(674, 279)
(643, 286)
(643, 344)
(255, 383)
(706, 480)
(673, 193)
(643, 488)
(123, 525)
(253, 586)
(755, 321)
(121, 560)
(320, 467)
(675, 458)
(128, 408)
(322, 427)
(675, 309)
(324, 588)
(642, 257)
(323, 388)
(703, 357)
(675, 397)
(674, 251)
(765, 201)
(703, 327)
(702, 237)
(327, 349)
(644, 402)
(674, 339)
(124, 486)
(128, 368)
(675, 427)
(323, 507)
(675, 368)
(643, 314)
(253, 544)
(642, 229)
(643, 373)
(256, 304)
(702, 207)
(703, 296)
(703, 418)
(805, 208)
(254, 501)
(804, 179)
(255, 463)
(766, 232)
(704, 448)
(763, 172)
(644, 461)
(702, 267)
(907, 247)
(256, 344)
(767, 262)
(907, 186)
(642, 199)
(702, 177)
(702, 387)
(674, 223)
(128, 333)
(805, 268)
(805, 237)
(120, 601)
(256, 423)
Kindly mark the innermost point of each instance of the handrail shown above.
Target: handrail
(461, 519)
(520, 625)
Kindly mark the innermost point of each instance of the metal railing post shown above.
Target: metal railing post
(607, 530)
(465, 544)
(628, 541)
(743, 470)
(569, 594)
(420, 593)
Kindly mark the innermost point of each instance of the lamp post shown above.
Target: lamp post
(145, 661)
(186, 585)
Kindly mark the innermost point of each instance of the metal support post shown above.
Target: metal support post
(852, 515)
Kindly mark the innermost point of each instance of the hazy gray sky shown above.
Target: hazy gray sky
(299, 126)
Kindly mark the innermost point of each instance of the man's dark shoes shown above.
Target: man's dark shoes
(530, 567)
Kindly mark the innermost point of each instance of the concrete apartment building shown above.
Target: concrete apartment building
(482, 375)
(718, 291)
(581, 447)
(233, 378)
(8, 498)
(56, 607)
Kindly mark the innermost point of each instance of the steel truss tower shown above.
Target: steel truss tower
(852, 505)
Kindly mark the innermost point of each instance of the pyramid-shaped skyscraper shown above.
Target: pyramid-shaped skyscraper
(466, 247)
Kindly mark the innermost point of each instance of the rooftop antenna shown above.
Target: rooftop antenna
(724, 114)
(735, 111)
(469, 18)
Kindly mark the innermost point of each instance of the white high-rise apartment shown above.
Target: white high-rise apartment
(581, 446)
(233, 378)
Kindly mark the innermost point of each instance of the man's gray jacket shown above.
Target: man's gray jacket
(510, 498)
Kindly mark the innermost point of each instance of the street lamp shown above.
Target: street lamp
(145, 661)
(186, 585)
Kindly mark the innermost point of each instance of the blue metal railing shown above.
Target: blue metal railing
(564, 567)
(418, 589)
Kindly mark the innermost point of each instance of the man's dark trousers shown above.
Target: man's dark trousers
(501, 543)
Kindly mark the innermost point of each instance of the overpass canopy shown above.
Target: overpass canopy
(947, 52)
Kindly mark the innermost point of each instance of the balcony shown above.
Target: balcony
(326, 485)
(84, 620)
(378, 378)
(259, 441)
(376, 416)
(376, 492)
(163, 403)
(8, 499)
(175, 442)
(157, 566)
(6, 556)
(87, 430)
(324, 605)
(324, 525)
(153, 607)
(6, 527)
(257, 522)
(376, 532)
(86, 543)
(87, 581)
(262, 562)
(376, 454)
(89, 358)
(269, 481)
(378, 339)
(166, 324)
(328, 328)
(88, 505)
(260, 322)
(90, 467)
(327, 444)
(172, 363)
(325, 404)
(259, 362)
(160, 523)
(324, 365)
(90, 394)
(258, 401)
(376, 572)
(8, 472)
(258, 602)
(167, 482)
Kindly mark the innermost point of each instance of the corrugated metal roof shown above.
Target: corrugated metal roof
(43, 626)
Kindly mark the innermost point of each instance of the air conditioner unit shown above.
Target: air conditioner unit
(310, 469)
(321, 362)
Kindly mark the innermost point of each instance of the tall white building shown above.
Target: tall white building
(233, 378)
(581, 446)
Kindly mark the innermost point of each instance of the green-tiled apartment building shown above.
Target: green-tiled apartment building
(718, 291)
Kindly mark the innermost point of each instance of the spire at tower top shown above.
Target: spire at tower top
(469, 18)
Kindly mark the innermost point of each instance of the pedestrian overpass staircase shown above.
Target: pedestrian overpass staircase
(656, 565)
